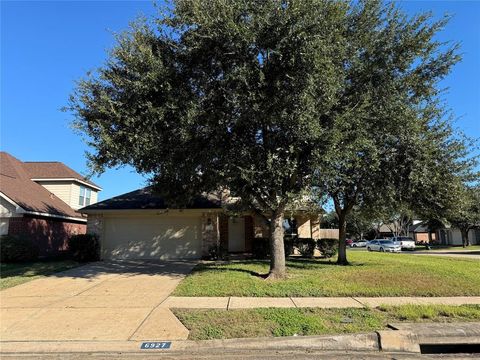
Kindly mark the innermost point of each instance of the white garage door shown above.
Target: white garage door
(152, 238)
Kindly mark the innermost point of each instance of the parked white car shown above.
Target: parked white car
(405, 242)
(383, 245)
(359, 243)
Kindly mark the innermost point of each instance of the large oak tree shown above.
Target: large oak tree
(220, 94)
(271, 100)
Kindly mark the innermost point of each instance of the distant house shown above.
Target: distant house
(41, 200)
(422, 233)
(442, 236)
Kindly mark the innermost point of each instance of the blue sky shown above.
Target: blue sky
(46, 46)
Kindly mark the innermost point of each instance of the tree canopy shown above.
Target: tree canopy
(391, 142)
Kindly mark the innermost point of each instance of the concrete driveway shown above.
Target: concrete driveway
(99, 301)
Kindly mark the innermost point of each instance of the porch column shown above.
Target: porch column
(303, 226)
(315, 227)
(210, 232)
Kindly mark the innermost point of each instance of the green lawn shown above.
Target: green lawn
(16, 274)
(222, 324)
(370, 274)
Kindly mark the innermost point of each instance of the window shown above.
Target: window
(85, 195)
(290, 227)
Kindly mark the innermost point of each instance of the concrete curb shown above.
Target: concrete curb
(406, 339)
(354, 342)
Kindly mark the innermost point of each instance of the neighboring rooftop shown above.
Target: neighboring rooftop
(53, 170)
(146, 199)
(17, 186)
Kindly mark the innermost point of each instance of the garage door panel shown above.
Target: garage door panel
(152, 238)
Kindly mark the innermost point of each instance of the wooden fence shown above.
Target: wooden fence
(328, 233)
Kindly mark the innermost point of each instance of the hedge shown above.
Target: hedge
(17, 249)
(84, 247)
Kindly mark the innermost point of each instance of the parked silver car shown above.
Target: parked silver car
(359, 243)
(383, 245)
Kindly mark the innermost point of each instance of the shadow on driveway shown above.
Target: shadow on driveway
(171, 268)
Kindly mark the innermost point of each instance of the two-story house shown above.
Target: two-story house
(41, 200)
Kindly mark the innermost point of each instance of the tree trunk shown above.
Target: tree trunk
(277, 250)
(465, 240)
(342, 240)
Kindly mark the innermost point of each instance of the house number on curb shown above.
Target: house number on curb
(156, 345)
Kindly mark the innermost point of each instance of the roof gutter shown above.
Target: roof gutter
(54, 216)
(69, 179)
(20, 210)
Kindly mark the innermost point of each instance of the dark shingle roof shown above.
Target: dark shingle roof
(53, 170)
(15, 183)
(146, 199)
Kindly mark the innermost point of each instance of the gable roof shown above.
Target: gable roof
(146, 199)
(16, 185)
(53, 170)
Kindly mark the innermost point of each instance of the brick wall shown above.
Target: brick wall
(49, 234)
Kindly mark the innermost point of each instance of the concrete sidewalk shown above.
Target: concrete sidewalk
(229, 303)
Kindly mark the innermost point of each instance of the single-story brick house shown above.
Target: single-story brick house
(40, 200)
(140, 225)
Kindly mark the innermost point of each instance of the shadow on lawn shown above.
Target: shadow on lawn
(221, 267)
(295, 263)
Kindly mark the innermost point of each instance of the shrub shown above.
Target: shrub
(17, 249)
(217, 253)
(84, 247)
(288, 243)
(306, 246)
(328, 247)
(260, 248)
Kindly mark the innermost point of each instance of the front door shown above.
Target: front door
(236, 234)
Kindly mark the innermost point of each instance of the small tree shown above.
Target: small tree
(390, 141)
(466, 215)
(361, 223)
(399, 219)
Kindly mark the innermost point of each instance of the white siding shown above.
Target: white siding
(4, 226)
(68, 192)
(94, 197)
(74, 195)
(456, 237)
(6, 209)
(61, 189)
